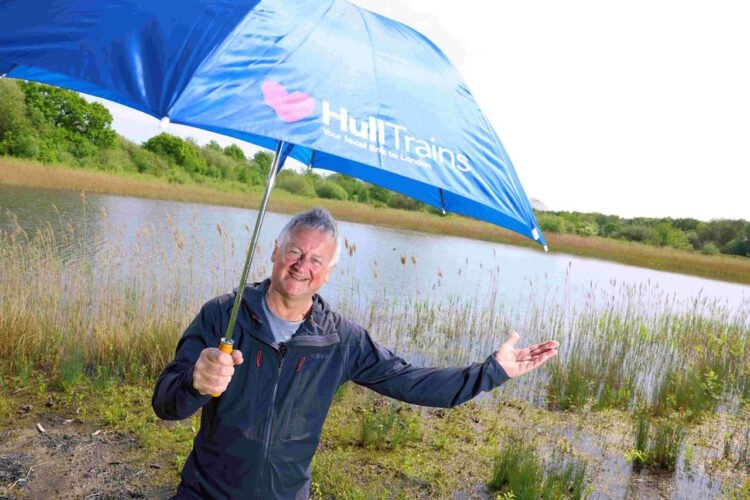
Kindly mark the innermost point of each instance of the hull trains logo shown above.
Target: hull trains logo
(372, 134)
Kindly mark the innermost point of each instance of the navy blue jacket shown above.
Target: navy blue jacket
(258, 439)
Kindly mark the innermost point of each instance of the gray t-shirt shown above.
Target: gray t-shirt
(281, 329)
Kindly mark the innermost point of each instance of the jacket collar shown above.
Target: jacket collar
(252, 313)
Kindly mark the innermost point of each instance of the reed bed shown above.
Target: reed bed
(121, 311)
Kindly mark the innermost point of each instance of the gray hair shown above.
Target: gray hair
(315, 218)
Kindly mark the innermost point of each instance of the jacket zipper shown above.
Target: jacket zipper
(292, 396)
(267, 441)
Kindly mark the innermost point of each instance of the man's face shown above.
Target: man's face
(302, 263)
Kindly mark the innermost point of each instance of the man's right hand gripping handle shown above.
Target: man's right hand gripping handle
(214, 369)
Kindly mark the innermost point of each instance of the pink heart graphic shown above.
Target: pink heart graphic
(289, 107)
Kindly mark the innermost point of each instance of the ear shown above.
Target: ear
(275, 252)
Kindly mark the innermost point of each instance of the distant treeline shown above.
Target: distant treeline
(53, 125)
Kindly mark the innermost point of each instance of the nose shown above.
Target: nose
(302, 264)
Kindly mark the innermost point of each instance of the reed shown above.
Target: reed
(518, 472)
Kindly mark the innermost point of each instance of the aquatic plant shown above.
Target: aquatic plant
(518, 472)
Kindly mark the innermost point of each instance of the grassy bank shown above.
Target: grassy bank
(18, 173)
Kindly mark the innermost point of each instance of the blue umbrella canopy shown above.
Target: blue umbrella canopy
(346, 89)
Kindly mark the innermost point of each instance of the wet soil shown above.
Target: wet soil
(65, 458)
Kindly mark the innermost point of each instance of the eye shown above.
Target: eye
(317, 262)
(294, 252)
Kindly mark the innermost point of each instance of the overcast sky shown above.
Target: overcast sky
(634, 108)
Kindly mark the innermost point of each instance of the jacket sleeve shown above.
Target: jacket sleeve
(377, 368)
(175, 397)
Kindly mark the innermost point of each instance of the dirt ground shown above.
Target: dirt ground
(64, 458)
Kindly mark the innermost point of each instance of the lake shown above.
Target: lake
(389, 263)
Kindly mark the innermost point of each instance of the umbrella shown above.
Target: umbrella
(330, 84)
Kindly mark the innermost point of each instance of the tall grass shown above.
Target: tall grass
(121, 312)
(519, 472)
(657, 443)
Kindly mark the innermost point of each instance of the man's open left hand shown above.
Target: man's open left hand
(516, 362)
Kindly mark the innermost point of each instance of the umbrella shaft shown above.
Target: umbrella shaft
(256, 233)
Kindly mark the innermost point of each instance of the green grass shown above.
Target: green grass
(657, 443)
(518, 473)
(388, 427)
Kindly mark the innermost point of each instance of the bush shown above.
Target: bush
(355, 189)
(234, 152)
(405, 203)
(710, 249)
(587, 229)
(180, 152)
(609, 230)
(26, 147)
(331, 191)
(738, 246)
(295, 184)
(379, 194)
(664, 235)
(549, 223)
(263, 161)
(217, 159)
(635, 232)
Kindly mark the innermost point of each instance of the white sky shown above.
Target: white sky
(634, 108)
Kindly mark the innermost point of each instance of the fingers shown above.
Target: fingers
(540, 348)
(216, 356)
(543, 347)
(540, 359)
(214, 370)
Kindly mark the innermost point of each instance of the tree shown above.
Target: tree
(178, 151)
(380, 194)
(665, 235)
(17, 136)
(263, 161)
(331, 191)
(68, 110)
(233, 151)
(355, 189)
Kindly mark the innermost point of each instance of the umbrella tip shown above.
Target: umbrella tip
(546, 249)
(164, 123)
(2, 75)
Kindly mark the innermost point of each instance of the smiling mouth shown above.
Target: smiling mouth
(297, 278)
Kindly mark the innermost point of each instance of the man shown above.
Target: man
(292, 352)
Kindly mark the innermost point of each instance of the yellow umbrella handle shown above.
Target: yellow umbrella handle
(227, 347)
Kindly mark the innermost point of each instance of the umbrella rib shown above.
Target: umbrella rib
(374, 72)
(209, 55)
(291, 50)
